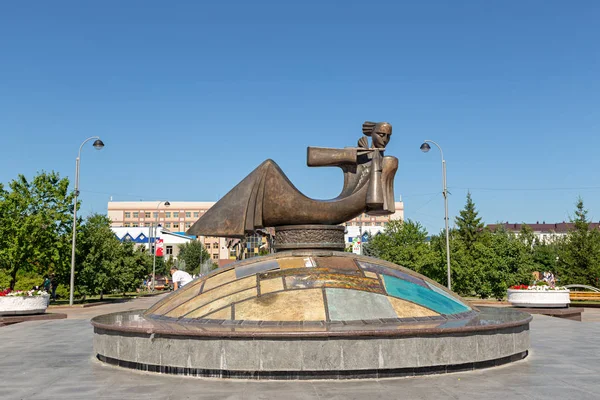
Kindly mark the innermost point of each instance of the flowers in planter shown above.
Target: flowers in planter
(538, 287)
(23, 293)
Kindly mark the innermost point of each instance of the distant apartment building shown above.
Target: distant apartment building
(179, 216)
(546, 233)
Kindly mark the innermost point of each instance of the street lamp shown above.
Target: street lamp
(98, 145)
(425, 148)
(167, 204)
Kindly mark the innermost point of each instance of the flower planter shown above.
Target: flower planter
(15, 305)
(539, 298)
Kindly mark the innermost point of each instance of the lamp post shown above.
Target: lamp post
(167, 204)
(425, 148)
(98, 145)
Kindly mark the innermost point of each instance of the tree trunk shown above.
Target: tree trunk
(101, 295)
(13, 277)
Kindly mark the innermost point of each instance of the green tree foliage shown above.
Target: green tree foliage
(403, 243)
(468, 224)
(35, 225)
(579, 254)
(103, 263)
(197, 259)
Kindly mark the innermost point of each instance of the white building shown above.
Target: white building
(143, 237)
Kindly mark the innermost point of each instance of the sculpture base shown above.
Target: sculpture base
(318, 237)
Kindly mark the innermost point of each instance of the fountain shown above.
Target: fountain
(311, 311)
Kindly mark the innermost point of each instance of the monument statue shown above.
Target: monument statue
(267, 198)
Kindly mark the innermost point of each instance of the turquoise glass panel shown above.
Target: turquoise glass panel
(422, 296)
(446, 294)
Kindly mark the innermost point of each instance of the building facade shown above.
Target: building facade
(364, 223)
(179, 216)
(544, 232)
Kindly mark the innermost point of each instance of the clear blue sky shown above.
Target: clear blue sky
(190, 96)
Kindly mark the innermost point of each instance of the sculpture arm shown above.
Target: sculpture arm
(327, 157)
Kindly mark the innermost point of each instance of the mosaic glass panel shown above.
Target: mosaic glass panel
(219, 279)
(212, 295)
(271, 285)
(423, 296)
(254, 268)
(444, 293)
(392, 272)
(222, 302)
(296, 262)
(334, 281)
(349, 305)
(295, 305)
(186, 293)
(339, 264)
(406, 309)
(224, 313)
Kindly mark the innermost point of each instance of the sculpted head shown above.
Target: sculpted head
(380, 133)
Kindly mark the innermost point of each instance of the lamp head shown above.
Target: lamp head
(98, 144)
(425, 147)
(167, 204)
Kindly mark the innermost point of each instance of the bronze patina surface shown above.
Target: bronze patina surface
(267, 198)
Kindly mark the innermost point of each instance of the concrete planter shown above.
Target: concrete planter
(17, 305)
(539, 298)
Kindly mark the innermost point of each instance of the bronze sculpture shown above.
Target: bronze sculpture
(267, 198)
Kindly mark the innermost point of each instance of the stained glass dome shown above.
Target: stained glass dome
(295, 287)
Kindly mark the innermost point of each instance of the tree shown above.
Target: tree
(403, 243)
(579, 254)
(35, 225)
(104, 264)
(469, 224)
(197, 259)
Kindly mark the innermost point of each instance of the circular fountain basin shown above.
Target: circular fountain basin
(311, 315)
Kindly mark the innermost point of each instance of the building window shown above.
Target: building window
(175, 225)
(215, 245)
(207, 245)
(188, 224)
(136, 214)
(126, 225)
(142, 224)
(134, 225)
(167, 214)
(127, 214)
(196, 214)
(188, 214)
(167, 224)
(215, 256)
(169, 250)
(175, 214)
(147, 214)
(155, 214)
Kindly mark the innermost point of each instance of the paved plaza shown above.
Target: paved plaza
(53, 359)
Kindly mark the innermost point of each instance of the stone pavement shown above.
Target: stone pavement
(53, 359)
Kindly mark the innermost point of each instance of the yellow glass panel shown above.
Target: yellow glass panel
(184, 294)
(225, 313)
(219, 279)
(296, 262)
(215, 305)
(271, 285)
(406, 309)
(370, 274)
(294, 305)
(212, 295)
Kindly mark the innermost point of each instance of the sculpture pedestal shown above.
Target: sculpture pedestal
(318, 237)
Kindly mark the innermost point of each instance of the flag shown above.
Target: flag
(159, 248)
